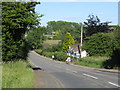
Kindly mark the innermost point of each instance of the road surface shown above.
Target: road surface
(74, 76)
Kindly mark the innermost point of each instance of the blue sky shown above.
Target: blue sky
(77, 11)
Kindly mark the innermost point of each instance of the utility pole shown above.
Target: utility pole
(81, 34)
(81, 38)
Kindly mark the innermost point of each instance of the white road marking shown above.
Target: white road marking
(71, 70)
(90, 76)
(113, 84)
(75, 72)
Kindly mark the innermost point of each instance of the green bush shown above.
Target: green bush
(39, 51)
(100, 44)
(49, 54)
(54, 48)
(60, 56)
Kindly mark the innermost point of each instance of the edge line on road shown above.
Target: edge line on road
(90, 76)
(113, 84)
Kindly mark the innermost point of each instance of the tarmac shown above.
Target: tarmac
(46, 80)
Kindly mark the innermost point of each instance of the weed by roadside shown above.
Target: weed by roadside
(17, 75)
(93, 61)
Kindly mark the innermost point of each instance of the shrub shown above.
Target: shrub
(39, 51)
(49, 54)
(100, 44)
(60, 56)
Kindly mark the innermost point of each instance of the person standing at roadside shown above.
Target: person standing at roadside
(68, 60)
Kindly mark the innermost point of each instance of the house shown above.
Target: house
(74, 51)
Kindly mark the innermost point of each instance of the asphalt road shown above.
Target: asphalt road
(74, 76)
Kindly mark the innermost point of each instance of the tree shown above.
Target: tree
(63, 27)
(94, 25)
(100, 44)
(17, 19)
(35, 37)
(67, 42)
(115, 57)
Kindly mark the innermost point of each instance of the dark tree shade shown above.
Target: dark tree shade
(17, 19)
(94, 25)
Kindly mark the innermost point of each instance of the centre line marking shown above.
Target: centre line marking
(113, 84)
(90, 76)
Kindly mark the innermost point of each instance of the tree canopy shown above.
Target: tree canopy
(67, 42)
(36, 37)
(62, 27)
(94, 25)
(17, 19)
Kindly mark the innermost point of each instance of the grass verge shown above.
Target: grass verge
(93, 61)
(17, 75)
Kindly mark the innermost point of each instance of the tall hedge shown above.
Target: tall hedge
(17, 19)
(100, 44)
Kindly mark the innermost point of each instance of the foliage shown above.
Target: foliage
(113, 62)
(35, 37)
(16, 75)
(67, 42)
(39, 51)
(49, 43)
(95, 26)
(100, 44)
(116, 38)
(93, 61)
(17, 19)
(60, 56)
(62, 27)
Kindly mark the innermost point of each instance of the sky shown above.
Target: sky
(75, 11)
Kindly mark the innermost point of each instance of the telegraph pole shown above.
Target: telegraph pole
(81, 34)
(81, 40)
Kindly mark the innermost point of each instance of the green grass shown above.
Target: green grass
(93, 61)
(17, 75)
(51, 42)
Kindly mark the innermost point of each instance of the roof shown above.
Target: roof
(74, 48)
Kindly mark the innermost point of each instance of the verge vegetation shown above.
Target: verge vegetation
(93, 61)
(17, 75)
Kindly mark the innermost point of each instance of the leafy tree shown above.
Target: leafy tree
(17, 19)
(100, 44)
(94, 25)
(63, 27)
(35, 37)
(67, 42)
(113, 62)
